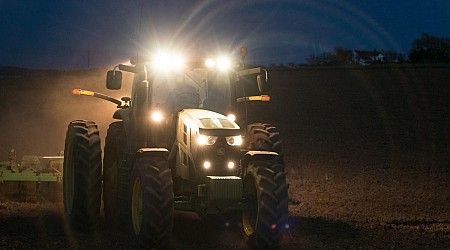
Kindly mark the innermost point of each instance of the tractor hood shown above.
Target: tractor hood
(208, 122)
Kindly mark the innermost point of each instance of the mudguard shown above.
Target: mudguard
(149, 152)
(257, 156)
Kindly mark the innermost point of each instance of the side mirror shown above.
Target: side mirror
(247, 76)
(263, 82)
(114, 79)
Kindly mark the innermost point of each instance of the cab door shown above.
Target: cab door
(184, 146)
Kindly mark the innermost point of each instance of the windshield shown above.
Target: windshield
(194, 88)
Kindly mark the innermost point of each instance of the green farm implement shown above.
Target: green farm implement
(31, 169)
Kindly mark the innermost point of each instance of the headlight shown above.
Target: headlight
(222, 63)
(157, 116)
(206, 140)
(210, 63)
(234, 140)
(231, 117)
(206, 165)
(165, 61)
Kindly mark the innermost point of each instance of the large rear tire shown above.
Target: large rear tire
(151, 202)
(115, 148)
(82, 176)
(266, 188)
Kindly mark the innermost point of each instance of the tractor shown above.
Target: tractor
(186, 139)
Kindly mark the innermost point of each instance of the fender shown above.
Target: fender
(124, 115)
(257, 156)
(149, 152)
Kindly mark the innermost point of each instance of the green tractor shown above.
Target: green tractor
(177, 145)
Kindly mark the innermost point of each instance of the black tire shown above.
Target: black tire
(265, 185)
(115, 148)
(264, 137)
(274, 137)
(151, 202)
(82, 178)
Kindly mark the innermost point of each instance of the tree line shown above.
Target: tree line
(426, 49)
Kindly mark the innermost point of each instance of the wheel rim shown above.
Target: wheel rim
(249, 217)
(69, 180)
(136, 206)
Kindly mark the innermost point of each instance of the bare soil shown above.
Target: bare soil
(367, 152)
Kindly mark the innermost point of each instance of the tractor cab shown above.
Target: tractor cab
(215, 84)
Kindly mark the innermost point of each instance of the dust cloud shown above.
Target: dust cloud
(37, 106)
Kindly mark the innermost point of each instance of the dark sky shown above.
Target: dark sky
(63, 34)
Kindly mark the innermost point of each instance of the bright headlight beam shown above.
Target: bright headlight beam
(231, 117)
(202, 139)
(210, 63)
(164, 61)
(178, 62)
(223, 63)
(157, 116)
(161, 60)
(206, 140)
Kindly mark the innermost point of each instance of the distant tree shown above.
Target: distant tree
(324, 58)
(281, 66)
(275, 66)
(343, 56)
(430, 49)
(272, 66)
(393, 57)
(292, 65)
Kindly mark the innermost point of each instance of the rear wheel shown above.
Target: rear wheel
(266, 189)
(151, 202)
(82, 175)
(115, 148)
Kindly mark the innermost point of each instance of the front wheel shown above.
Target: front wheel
(264, 137)
(267, 192)
(151, 202)
(82, 176)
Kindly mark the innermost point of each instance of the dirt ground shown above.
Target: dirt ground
(367, 153)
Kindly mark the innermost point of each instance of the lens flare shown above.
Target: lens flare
(157, 116)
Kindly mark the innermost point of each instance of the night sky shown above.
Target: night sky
(79, 34)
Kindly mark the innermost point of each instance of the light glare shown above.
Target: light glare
(178, 62)
(164, 61)
(210, 63)
(223, 63)
(206, 140)
(157, 116)
(231, 117)
(202, 139)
